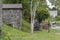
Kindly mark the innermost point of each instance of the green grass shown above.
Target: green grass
(25, 26)
(14, 34)
(57, 21)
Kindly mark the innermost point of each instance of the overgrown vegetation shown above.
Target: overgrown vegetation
(57, 18)
(25, 26)
(0, 30)
(42, 14)
(26, 6)
(14, 34)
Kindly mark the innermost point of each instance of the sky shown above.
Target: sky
(49, 4)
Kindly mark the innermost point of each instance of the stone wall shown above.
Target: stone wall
(12, 15)
(1, 15)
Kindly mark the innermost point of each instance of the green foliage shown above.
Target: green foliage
(14, 34)
(57, 18)
(0, 30)
(11, 1)
(42, 14)
(25, 26)
(26, 10)
(58, 3)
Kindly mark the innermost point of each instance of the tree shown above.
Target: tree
(55, 2)
(42, 14)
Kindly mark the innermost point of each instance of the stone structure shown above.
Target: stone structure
(0, 15)
(12, 14)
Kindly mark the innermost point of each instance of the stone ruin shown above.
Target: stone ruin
(1, 17)
(12, 15)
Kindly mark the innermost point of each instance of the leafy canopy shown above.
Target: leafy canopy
(42, 14)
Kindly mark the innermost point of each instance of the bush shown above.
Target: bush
(0, 30)
(57, 18)
(42, 14)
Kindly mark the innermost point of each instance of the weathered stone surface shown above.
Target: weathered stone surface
(12, 6)
(13, 16)
(0, 15)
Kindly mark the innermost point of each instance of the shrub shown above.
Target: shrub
(42, 14)
(0, 30)
(57, 18)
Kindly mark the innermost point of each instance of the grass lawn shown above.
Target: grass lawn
(25, 26)
(58, 21)
(13, 34)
